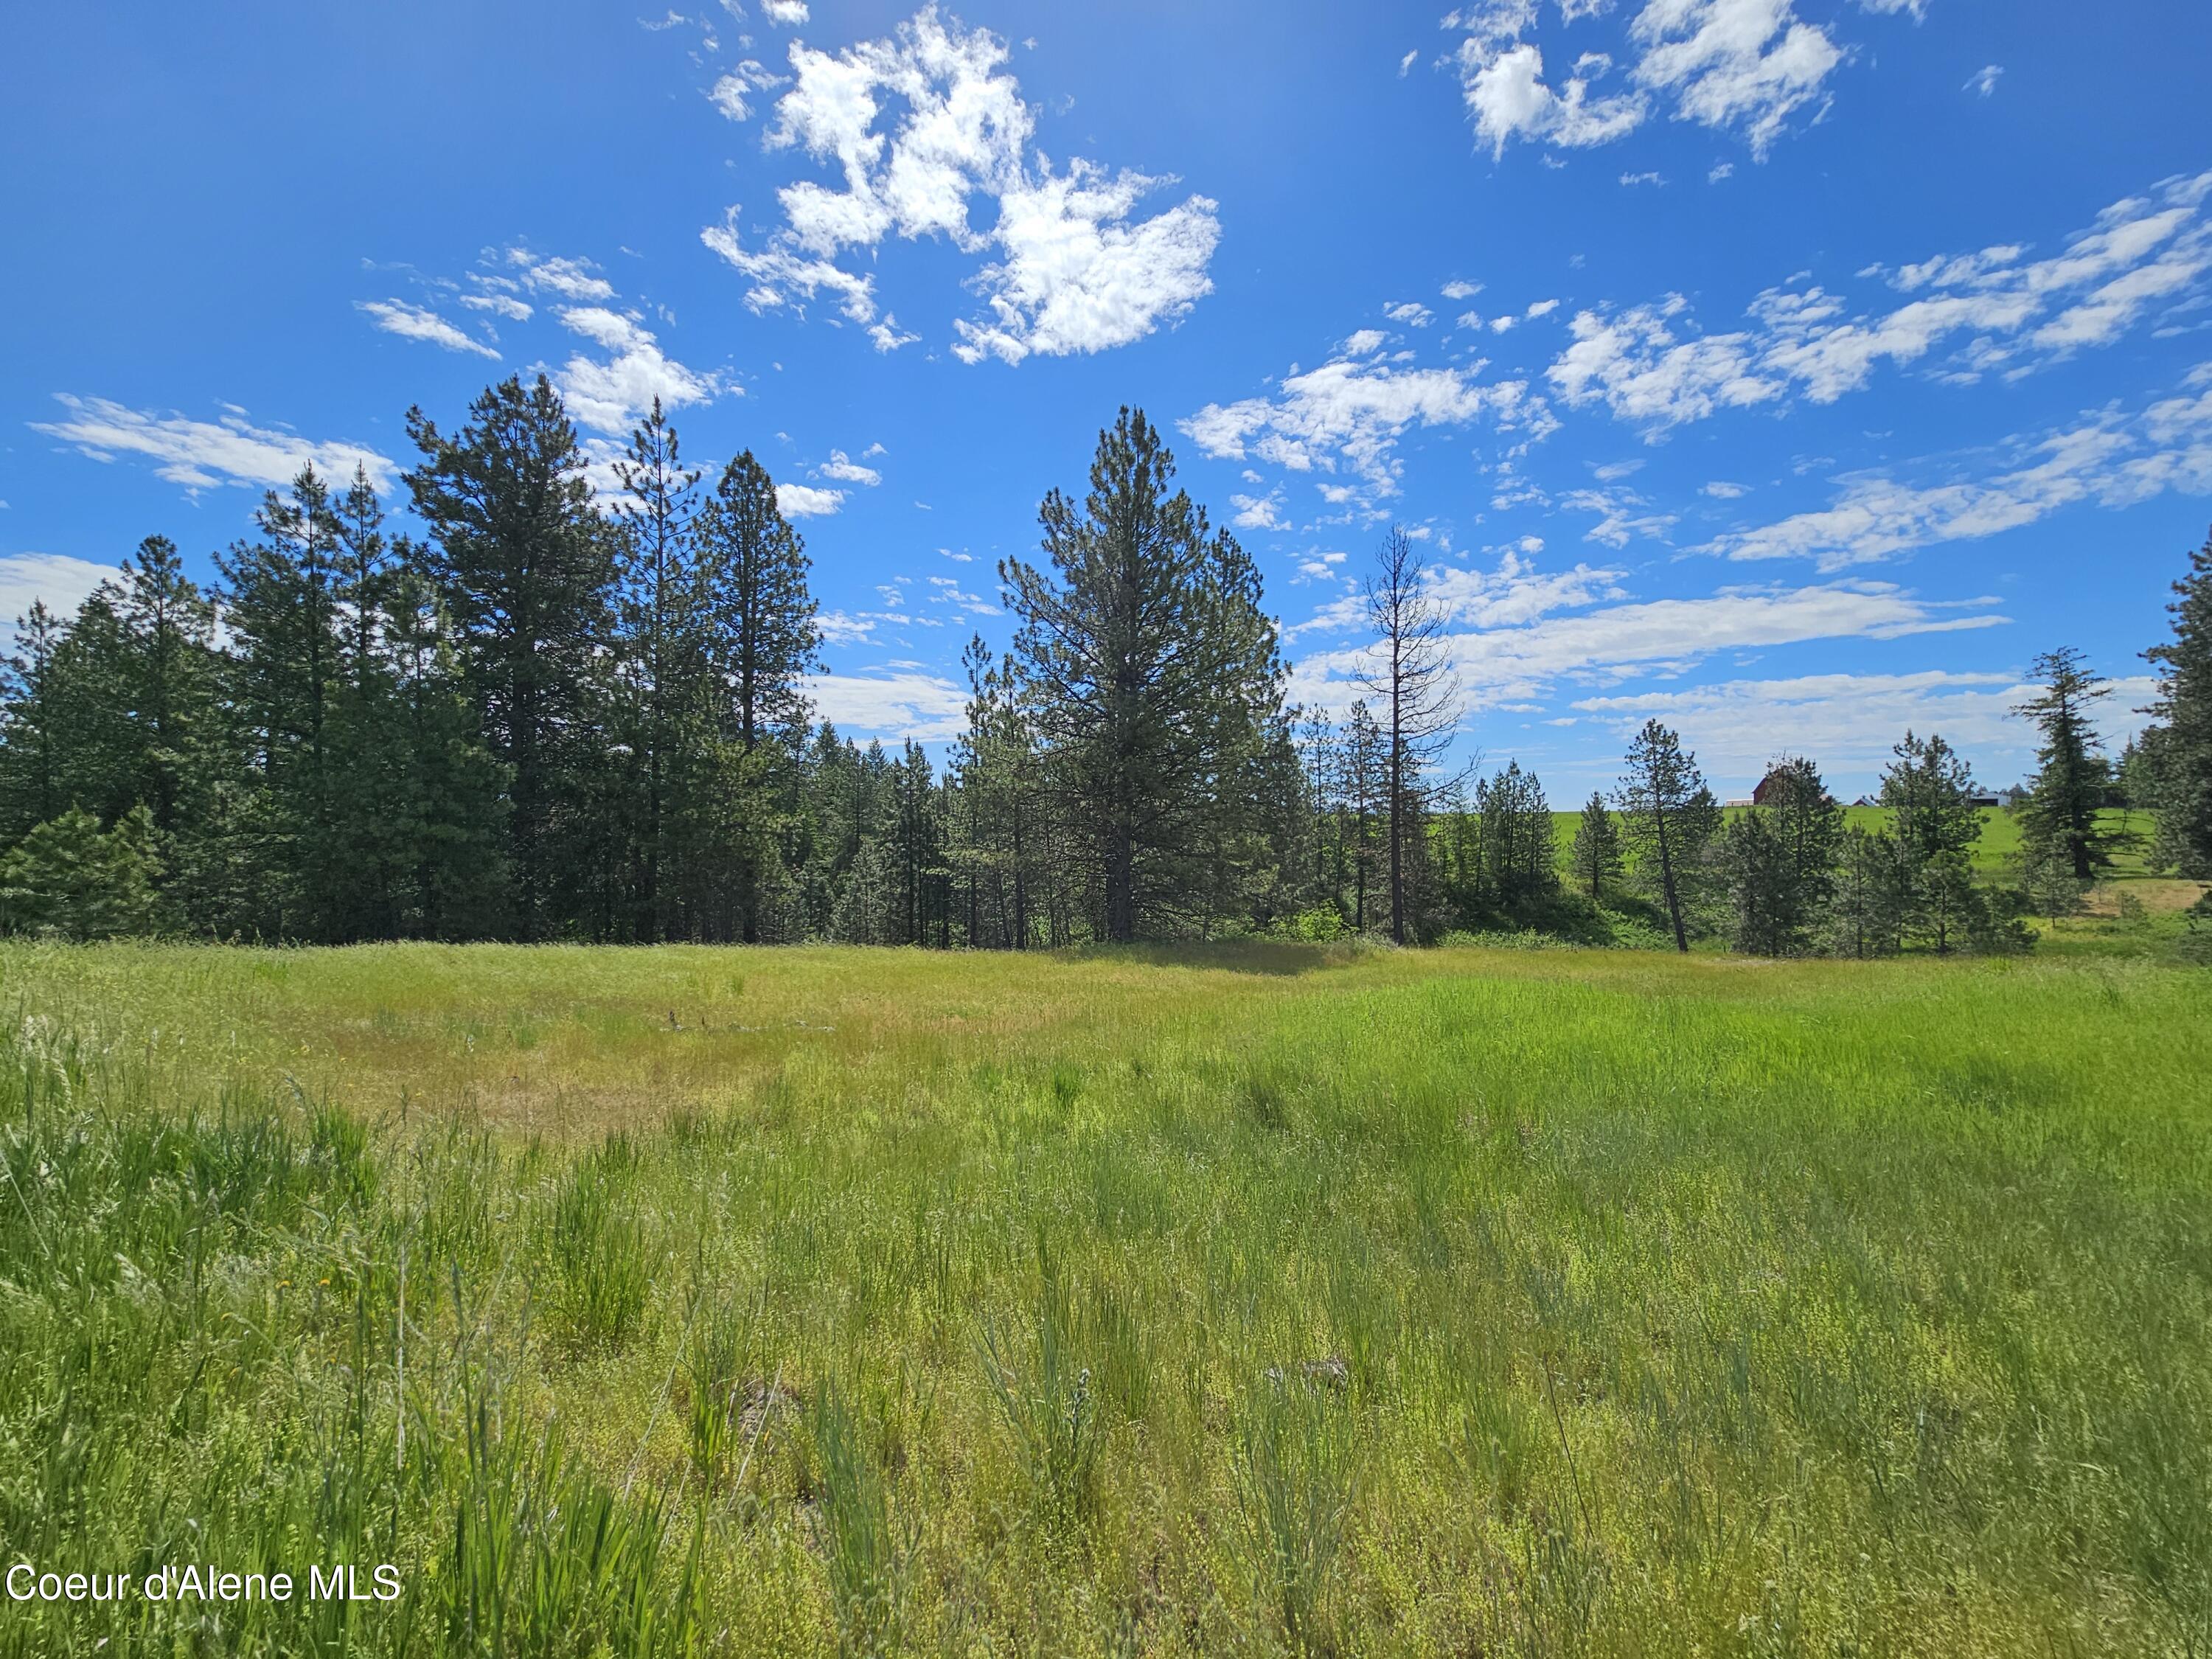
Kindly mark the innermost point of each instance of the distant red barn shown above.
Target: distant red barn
(1770, 785)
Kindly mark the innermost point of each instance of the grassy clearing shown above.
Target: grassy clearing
(819, 1301)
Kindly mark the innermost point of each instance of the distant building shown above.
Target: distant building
(1768, 785)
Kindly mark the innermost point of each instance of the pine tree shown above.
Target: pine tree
(2058, 815)
(662, 631)
(31, 725)
(70, 880)
(1668, 816)
(281, 615)
(523, 567)
(1153, 672)
(1520, 858)
(2181, 743)
(763, 639)
(766, 639)
(1929, 791)
(1595, 853)
(1410, 676)
(1366, 795)
(1867, 902)
(1779, 858)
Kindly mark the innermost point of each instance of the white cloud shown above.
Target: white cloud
(570, 279)
(1721, 490)
(1259, 512)
(888, 335)
(788, 12)
(1461, 290)
(1410, 313)
(1407, 61)
(1739, 66)
(500, 305)
(1848, 722)
(733, 93)
(1632, 180)
(202, 454)
(1077, 279)
(799, 501)
(1999, 311)
(1984, 80)
(922, 705)
(1517, 645)
(2111, 461)
(843, 468)
(61, 582)
(413, 323)
(1636, 363)
(1622, 516)
(1073, 271)
(1350, 415)
(838, 628)
(610, 396)
(1506, 95)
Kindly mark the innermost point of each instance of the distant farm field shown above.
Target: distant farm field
(1267, 1299)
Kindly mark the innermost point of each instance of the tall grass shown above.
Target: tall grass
(1505, 1303)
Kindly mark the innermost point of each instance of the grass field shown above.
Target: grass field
(1355, 1302)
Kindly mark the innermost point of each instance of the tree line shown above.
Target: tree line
(554, 714)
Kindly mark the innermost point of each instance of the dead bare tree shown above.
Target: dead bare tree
(1412, 679)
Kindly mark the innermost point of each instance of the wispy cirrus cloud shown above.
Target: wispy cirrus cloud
(1519, 632)
(414, 323)
(1849, 722)
(206, 455)
(1994, 310)
(2113, 461)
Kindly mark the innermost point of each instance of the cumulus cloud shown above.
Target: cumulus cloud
(1259, 512)
(845, 469)
(799, 501)
(202, 454)
(1998, 312)
(1644, 371)
(1739, 66)
(413, 323)
(609, 395)
(1508, 98)
(920, 126)
(1350, 413)
(1734, 66)
(788, 12)
(1984, 80)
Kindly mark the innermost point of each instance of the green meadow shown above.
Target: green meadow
(1269, 1299)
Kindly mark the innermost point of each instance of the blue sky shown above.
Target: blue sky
(1795, 370)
